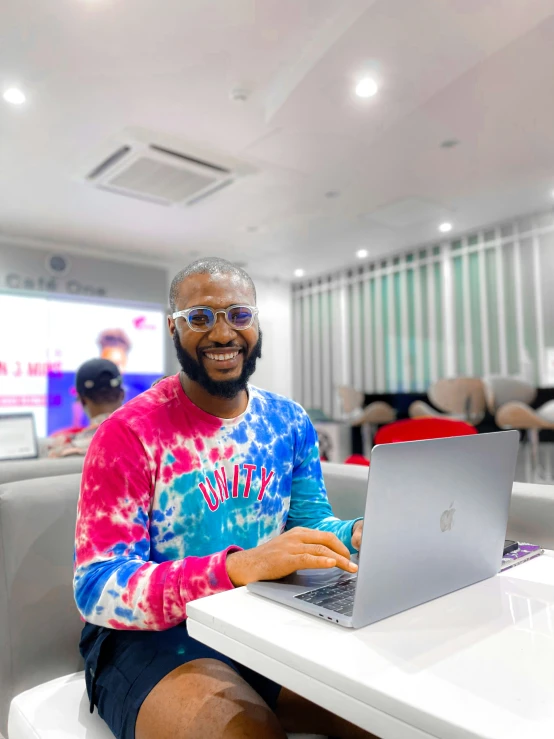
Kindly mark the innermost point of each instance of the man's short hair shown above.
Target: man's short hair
(208, 266)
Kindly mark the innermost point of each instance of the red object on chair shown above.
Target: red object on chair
(357, 459)
(416, 429)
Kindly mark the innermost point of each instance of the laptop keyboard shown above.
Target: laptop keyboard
(338, 597)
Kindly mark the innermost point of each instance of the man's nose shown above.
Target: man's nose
(222, 333)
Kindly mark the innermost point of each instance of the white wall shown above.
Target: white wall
(274, 370)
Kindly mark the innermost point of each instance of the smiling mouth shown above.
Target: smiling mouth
(220, 357)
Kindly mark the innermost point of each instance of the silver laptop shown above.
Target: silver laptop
(435, 521)
(18, 436)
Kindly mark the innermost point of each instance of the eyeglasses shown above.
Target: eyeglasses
(203, 318)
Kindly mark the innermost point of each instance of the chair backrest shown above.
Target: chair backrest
(416, 429)
(460, 396)
(350, 399)
(500, 390)
(377, 413)
(34, 468)
(421, 409)
(39, 622)
(546, 411)
(516, 415)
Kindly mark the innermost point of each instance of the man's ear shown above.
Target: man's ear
(171, 326)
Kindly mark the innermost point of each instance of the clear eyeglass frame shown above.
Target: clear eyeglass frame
(186, 313)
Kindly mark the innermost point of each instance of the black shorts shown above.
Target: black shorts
(122, 667)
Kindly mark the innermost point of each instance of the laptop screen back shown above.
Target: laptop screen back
(18, 439)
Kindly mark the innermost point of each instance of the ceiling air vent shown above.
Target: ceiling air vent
(160, 169)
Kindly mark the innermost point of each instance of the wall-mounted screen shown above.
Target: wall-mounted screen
(43, 342)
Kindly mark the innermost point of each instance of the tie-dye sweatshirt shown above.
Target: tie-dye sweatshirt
(169, 490)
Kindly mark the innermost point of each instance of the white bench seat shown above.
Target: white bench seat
(59, 709)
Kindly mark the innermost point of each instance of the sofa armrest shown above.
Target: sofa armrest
(532, 514)
(39, 622)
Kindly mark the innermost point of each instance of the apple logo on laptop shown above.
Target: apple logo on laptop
(447, 518)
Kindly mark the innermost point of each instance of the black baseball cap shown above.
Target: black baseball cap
(97, 374)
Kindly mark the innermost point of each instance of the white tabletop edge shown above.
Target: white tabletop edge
(371, 719)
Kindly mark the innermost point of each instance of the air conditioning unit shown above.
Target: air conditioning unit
(160, 169)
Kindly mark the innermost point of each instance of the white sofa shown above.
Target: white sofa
(39, 624)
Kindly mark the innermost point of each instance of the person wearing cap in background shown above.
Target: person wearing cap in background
(99, 387)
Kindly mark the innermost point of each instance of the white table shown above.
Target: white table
(477, 663)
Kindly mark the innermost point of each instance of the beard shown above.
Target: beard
(195, 371)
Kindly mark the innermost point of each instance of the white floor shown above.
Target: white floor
(545, 468)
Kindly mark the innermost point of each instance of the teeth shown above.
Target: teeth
(221, 357)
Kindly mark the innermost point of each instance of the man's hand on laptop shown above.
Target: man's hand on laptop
(357, 531)
(297, 549)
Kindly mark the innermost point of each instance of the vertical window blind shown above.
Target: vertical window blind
(475, 305)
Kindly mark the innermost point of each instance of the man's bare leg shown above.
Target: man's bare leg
(205, 699)
(299, 715)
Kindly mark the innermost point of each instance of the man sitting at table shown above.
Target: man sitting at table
(201, 484)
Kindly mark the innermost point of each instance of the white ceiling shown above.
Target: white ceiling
(481, 71)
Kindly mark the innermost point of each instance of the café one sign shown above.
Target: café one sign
(27, 270)
(55, 279)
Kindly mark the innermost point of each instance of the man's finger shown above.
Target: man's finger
(308, 561)
(312, 536)
(318, 550)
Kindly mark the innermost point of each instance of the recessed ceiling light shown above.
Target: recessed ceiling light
(362, 253)
(445, 228)
(299, 273)
(366, 88)
(14, 96)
